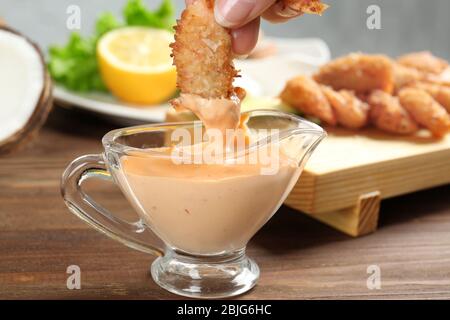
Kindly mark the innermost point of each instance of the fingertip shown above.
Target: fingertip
(237, 13)
(246, 37)
(220, 18)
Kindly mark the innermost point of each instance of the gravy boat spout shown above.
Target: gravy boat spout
(296, 136)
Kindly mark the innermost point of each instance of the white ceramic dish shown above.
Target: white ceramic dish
(260, 77)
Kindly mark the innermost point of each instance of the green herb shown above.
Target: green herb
(75, 66)
(135, 14)
(105, 23)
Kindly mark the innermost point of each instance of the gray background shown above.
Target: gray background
(407, 25)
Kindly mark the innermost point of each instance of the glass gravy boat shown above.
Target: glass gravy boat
(196, 216)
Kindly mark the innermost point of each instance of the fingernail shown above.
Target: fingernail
(241, 56)
(232, 13)
(285, 11)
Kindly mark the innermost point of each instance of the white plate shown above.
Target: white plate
(261, 77)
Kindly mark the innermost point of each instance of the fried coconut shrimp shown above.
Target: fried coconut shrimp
(304, 94)
(387, 114)
(440, 93)
(423, 61)
(407, 76)
(203, 56)
(350, 112)
(358, 72)
(202, 53)
(306, 6)
(425, 110)
(404, 76)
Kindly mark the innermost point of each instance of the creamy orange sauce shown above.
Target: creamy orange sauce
(205, 209)
(219, 114)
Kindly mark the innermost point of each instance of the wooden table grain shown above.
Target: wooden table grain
(299, 257)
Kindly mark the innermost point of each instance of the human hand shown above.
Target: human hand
(243, 18)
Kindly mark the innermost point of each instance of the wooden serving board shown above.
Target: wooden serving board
(350, 172)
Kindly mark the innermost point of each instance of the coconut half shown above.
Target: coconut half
(25, 89)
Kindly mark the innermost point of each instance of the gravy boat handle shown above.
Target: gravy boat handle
(134, 235)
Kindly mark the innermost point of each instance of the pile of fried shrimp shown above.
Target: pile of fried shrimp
(397, 96)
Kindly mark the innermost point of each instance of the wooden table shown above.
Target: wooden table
(299, 257)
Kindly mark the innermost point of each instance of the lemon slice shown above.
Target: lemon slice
(136, 65)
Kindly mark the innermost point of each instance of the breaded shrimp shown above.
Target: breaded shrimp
(358, 72)
(304, 94)
(203, 54)
(387, 114)
(425, 110)
(440, 93)
(350, 112)
(423, 61)
(405, 75)
(306, 6)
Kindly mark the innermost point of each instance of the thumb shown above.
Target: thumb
(236, 13)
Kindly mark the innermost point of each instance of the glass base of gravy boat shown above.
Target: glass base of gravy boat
(196, 214)
(212, 277)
